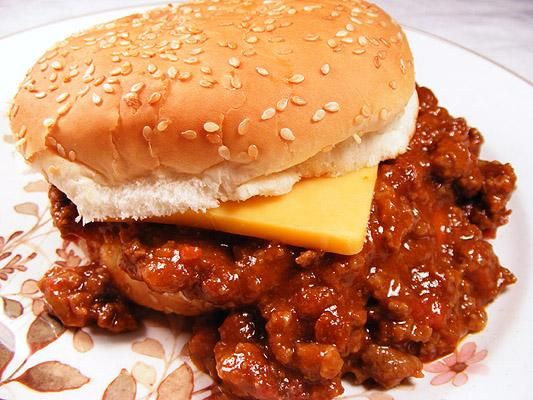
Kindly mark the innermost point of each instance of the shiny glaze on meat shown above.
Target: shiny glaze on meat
(293, 321)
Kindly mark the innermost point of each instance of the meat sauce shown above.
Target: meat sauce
(292, 322)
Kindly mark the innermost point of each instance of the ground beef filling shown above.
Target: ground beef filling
(293, 321)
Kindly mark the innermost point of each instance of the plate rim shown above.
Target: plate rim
(414, 30)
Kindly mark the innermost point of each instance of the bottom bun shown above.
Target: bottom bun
(139, 293)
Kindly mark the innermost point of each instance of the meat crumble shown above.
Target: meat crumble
(291, 322)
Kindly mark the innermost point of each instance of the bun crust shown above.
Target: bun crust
(258, 86)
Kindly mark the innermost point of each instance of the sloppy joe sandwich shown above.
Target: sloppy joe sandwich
(270, 168)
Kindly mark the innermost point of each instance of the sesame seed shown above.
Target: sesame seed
(311, 37)
(136, 88)
(183, 76)
(196, 51)
(213, 138)
(235, 82)
(172, 72)
(64, 108)
(147, 132)
(332, 43)
(99, 81)
(14, 110)
(72, 155)
(373, 41)
(253, 151)
(162, 125)
(325, 69)
(385, 42)
(154, 98)
(251, 39)
(108, 88)
(49, 122)
(262, 71)
(377, 62)
(132, 100)
(342, 33)
(287, 134)
(347, 40)
(384, 114)
(115, 72)
(243, 127)
(299, 101)
(284, 51)
(403, 67)
(332, 107)
(359, 51)
(151, 68)
(268, 113)
(205, 83)
(126, 68)
(366, 111)
(211, 127)
(234, 62)
(61, 150)
(357, 138)
(96, 99)
(40, 95)
(190, 60)
(57, 65)
(296, 78)
(51, 141)
(206, 70)
(393, 85)
(282, 104)
(223, 151)
(362, 40)
(249, 52)
(318, 115)
(84, 90)
(189, 134)
(90, 69)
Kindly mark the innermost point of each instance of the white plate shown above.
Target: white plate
(492, 99)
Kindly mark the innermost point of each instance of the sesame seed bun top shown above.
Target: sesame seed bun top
(259, 86)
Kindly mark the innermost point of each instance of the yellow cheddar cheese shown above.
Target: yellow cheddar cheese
(329, 214)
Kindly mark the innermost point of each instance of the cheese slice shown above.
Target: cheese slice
(329, 214)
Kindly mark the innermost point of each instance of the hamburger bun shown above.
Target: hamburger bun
(139, 292)
(189, 105)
